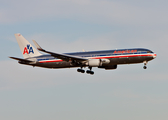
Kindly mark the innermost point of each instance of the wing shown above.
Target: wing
(64, 57)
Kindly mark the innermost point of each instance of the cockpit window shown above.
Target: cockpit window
(149, 52)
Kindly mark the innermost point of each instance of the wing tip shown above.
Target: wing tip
(37, 45)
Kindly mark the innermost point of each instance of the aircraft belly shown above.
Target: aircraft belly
(130, 60)
(113, 61)
(124, 60)
(63, 64)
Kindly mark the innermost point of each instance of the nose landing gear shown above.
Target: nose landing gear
(144, 67)
(145, 63)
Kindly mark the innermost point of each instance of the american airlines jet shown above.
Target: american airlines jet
(107, 59)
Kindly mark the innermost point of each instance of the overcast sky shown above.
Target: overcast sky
(128, 93)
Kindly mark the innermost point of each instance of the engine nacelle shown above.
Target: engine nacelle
(109, 67)
(105, 61)
(94, 62)
(97, 62)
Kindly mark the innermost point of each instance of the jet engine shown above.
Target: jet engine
(97, 62)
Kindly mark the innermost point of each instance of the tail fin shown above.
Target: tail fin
(26, 48)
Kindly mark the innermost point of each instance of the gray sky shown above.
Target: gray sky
(128, 93)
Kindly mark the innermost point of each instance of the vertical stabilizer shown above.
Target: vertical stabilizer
(26, 48)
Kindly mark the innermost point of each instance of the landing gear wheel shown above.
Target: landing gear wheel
(89, 72)
(145, 67)
(145, 63)
(80, 70)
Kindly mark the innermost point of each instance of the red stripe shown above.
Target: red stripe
(104, 57)
(51, 61)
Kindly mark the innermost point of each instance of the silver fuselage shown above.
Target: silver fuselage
(116, 57)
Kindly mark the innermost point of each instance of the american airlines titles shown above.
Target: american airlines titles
(125, 51)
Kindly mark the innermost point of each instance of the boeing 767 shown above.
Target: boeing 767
(106, 59)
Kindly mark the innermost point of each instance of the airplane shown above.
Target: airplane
(106, 59)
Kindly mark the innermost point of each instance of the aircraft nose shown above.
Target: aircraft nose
(154, 56)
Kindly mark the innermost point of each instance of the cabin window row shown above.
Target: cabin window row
(144, 52)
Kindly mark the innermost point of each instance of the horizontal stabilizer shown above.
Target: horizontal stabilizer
(19, 59)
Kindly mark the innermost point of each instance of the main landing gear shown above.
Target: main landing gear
(88, 71)
(145, 63)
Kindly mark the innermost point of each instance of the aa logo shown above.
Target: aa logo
(28, 50)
